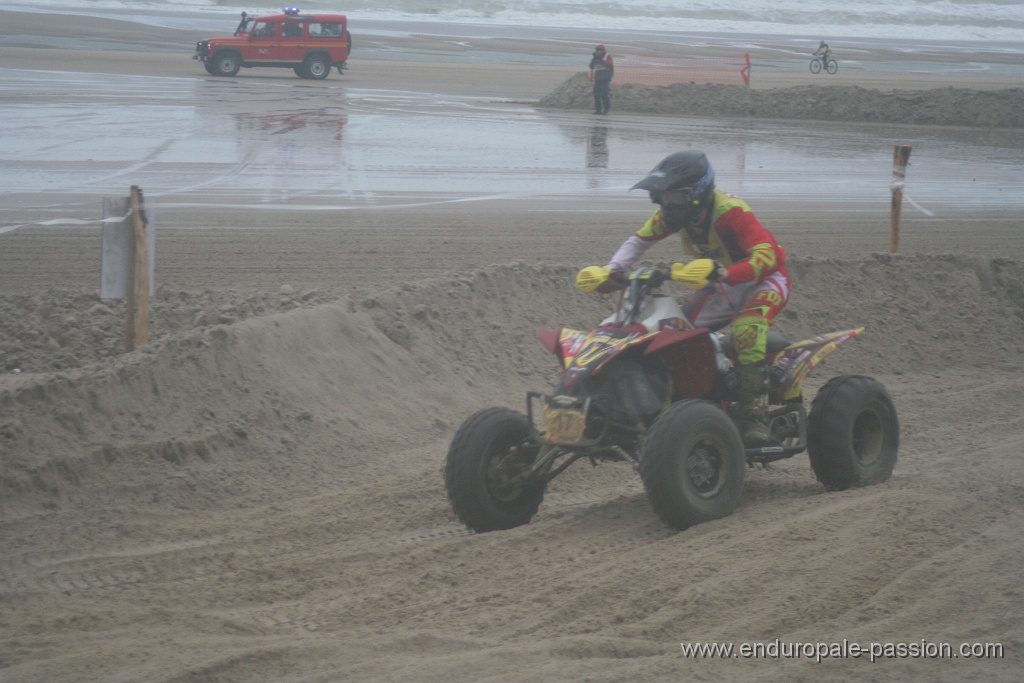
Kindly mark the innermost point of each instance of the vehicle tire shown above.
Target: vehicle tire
(692, 464)
(832, 66)
(210, 68)
(815, 66)
(317, 67)
(300, 71)
(853, 434)
(226, 63)
(482, 453)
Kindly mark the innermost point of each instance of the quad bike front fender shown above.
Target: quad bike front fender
(551, 339)
(690, 354)
(583, 354)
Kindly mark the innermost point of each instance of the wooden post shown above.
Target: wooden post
(137, 302)
(900, 156)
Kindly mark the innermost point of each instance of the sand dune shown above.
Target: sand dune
(931, 107)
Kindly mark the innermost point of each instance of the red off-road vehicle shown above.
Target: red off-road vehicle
(310, 44)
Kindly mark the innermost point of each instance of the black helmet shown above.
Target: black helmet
(687, 170)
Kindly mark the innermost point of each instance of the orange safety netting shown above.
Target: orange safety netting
(657, 70)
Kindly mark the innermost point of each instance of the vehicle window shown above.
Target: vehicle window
(292, 30)
(265, 30)
(325, 30)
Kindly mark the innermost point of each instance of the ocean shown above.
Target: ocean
(986, 23)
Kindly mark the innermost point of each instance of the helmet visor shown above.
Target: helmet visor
(689, 172)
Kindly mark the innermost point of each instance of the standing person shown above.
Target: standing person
(824, 52)
(348, 39)
(739, 265)
(601, 70)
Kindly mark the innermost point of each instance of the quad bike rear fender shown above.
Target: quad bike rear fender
(791, 365)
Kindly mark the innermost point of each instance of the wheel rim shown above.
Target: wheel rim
(317, 68)
(868, 437)
(507, 462)
(705, 466)
(226, 64)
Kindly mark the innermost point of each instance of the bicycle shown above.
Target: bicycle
(831, 66)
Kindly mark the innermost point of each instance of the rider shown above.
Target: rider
(824, 52)
(739, 259)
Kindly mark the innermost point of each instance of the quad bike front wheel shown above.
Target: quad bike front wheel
(853, 433)
(693, 464)
(488, 451)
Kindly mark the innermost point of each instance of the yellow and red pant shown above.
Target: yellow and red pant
(749, 308)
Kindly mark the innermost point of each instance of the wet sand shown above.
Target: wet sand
(440, 64)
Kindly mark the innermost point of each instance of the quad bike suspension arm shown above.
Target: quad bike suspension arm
(542, 468)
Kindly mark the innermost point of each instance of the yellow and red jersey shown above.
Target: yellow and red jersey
(737, 239)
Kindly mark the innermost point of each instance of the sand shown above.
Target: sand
(256, 495)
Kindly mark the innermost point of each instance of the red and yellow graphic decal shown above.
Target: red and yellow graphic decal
(591, 351)
(798, 359)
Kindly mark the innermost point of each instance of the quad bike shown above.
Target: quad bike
(648, 388)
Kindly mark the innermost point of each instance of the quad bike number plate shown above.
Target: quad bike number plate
(564, 425)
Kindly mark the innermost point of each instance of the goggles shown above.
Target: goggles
(674, 198)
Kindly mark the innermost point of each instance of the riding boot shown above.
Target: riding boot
(753, 395)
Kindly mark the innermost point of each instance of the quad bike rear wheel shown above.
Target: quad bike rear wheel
(693, 464)
(489, 449)
(853, 433)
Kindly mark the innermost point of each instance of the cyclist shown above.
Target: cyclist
(824, 52)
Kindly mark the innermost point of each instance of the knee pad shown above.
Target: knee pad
(750, 336)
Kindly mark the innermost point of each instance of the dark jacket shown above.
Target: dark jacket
(603, 66)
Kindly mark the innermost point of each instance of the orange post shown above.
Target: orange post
(900, 156)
